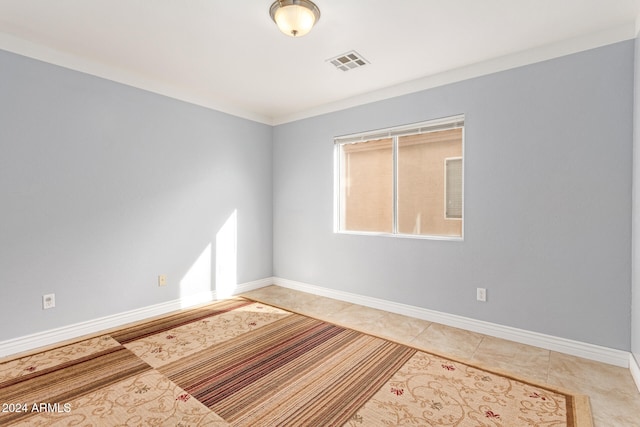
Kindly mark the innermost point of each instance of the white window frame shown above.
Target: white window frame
(451, 122)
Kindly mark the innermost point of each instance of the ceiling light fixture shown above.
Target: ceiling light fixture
(295, 18)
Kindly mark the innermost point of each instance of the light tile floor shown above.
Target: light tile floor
(615, 400)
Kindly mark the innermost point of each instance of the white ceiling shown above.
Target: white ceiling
(229, 55)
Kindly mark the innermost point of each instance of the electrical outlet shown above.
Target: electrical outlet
(48, 301)
(481, 294)
(162, 280)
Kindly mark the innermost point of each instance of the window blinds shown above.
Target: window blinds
(453, 188)
(411, 129)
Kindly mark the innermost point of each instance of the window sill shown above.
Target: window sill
(401, 236)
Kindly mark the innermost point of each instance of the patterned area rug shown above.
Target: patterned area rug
(244, 363)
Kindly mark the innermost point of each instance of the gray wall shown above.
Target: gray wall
(548, 163)
(103, 187)
(635, 310)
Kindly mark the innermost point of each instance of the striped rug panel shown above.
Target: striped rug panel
(295, 371)
(329, 394)
(237, 354)
(69, 380)
(176, 320)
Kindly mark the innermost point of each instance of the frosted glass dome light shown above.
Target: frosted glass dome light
(295, 18)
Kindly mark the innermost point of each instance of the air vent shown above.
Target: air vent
(348, 61)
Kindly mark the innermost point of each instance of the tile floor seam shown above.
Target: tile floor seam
(419, 333)
(477, 347)
(548, 373)
(417, 345)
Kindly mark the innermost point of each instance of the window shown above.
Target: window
(405, 181)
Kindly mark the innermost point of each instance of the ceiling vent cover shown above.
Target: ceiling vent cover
(348, 61)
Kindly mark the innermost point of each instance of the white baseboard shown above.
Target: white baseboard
(549, 342)
(634, 367)
(562, 345)
(70, 332)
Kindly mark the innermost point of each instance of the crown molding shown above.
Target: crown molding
(503, 63)
(73, 62)
(44, 53)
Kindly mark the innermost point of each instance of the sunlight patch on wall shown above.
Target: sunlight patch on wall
(227, 257)
(195, 286)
